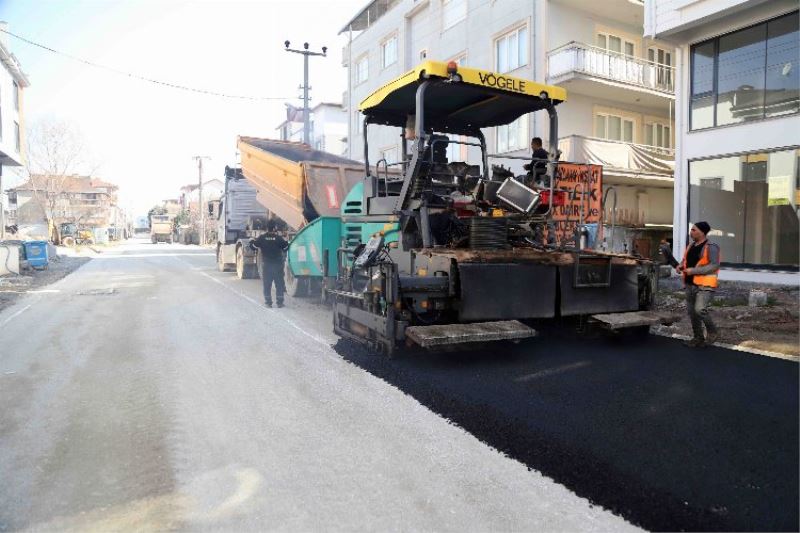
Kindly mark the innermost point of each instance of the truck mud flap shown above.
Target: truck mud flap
(633, 319)
(449, 334)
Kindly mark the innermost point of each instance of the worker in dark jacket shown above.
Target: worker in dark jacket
(699, 269)
(537, 168)
(271, 247)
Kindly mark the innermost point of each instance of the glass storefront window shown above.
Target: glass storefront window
(748, 74)
(783, 70)
(740, 75)
(751, 203)
(702, 105)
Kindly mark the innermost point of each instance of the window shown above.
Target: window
(455, 150)
(615, 43)
(513, 136)
(752, 201)
(16, 136)
(663, 60)
(746, 75)
(389, 52)
(783, 71)
(613, 127)
(16, 96)
(362, 70)
(511, 50)
(657, 134)
(453, 12)
(390, 155)
(357, 122)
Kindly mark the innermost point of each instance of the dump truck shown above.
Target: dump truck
(306, 189)
(434, 254)
(239, 219)
(161, 228)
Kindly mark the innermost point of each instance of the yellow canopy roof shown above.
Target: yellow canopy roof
(480, 99)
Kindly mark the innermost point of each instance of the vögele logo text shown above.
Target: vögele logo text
(502, 82)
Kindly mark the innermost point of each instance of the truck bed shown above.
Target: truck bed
(296, 183)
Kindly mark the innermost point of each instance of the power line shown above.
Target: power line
(143, 78)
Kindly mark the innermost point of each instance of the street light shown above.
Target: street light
(306, 53)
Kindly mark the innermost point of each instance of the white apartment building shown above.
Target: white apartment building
(619, 85)
(738, 129)
(328, 124)
(13, 81)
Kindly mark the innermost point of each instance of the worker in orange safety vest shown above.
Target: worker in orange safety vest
(699, 269)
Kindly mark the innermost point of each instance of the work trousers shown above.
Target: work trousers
(272, 272)
(698, 300)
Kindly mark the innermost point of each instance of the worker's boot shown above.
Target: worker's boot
(280, 304)
(267, 304)
(711, 336)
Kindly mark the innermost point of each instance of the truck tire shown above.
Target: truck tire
(244, 270)
(296, 287)
(222, 267)
(69, 241)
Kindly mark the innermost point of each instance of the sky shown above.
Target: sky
(143, 136)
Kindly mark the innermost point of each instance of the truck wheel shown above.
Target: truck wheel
(220, 264)
(244, 270)
(296, 287)
(69, 241)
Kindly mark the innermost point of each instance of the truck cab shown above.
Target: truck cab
(239, 219)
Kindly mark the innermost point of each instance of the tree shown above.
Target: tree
(56, 151)
(155, 210)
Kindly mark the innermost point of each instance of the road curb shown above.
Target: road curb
(736, 347)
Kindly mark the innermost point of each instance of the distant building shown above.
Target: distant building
(84, 200)
(328, 124)
(737, 119)
(172, 206)
(190, 194)
(13, 82)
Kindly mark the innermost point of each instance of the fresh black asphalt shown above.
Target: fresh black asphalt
(669, 437)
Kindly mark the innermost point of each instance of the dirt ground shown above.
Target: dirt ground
(12, 287)
(774, 327)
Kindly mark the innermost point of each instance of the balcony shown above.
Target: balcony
(629, 163)
(587, 69)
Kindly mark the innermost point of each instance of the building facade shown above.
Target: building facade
(620, 85)
(328, 124)
(43, 201)
(213, 189)
(738, 129)
(13, 82)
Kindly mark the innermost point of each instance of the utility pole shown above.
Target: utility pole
(199, 159)
(306, 53)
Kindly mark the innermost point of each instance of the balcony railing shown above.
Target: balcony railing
(628, 157)
(581, 58)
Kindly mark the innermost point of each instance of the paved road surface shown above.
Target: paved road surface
(149, 390)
